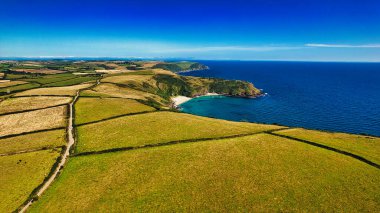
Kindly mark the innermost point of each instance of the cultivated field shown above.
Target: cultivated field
(158, 127)
(68, 91)
(256, 173)
(33, 141)
(21, 174)
(11, 83)
(30, 103)
(95, 109)
(33, 121)
(131, 152)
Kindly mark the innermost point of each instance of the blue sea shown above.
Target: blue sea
(343, 97)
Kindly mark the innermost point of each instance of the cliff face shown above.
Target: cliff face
(170, 85)
(181, 66)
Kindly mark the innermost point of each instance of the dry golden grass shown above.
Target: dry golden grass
(11, 83)
(1, 75)
(32, 121)
(68, 90)
(49, 139)
(21, 174)
(126, 79)
(124, 92)
(28, 103)
(260, 173)
(365, 146)
(158, 127)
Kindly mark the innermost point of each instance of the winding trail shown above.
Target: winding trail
(64, 157)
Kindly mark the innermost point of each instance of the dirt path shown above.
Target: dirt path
(70, 143)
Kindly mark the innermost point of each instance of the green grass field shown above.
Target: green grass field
(158, 127)
(70, 82)
(365, 146)
(250, 174)
(95, 109)
(21, 174)
(33, 141)
(18, 88)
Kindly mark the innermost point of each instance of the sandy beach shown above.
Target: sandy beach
(178, 100)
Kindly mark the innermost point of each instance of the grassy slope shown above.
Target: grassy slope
(254, 173)
(158, 127)
(365, 146)
(21, 174)
(49, 139)
(95, 109)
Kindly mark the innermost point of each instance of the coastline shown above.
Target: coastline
(178, 100)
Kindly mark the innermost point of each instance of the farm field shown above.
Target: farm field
(30, 103)
(11, 83)
(95, 109)
(33, 121)
(17, 88)
(158, 127)
(33, 141)
(59, 91)
(365, 146)
(130, 150)
(21, 174)
(253, 173)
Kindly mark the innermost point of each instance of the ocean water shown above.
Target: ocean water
(343, 97)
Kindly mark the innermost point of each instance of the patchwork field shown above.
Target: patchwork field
(33, 121)
(130, 151)
(69, 90)
(21, 174)
(365, 146)
(29, 103)
(11, 83)
(17, 88)
(33, 141)
(255, 173)
(158, 127)
(95, 109)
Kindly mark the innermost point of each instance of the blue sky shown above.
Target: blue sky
(305, 30)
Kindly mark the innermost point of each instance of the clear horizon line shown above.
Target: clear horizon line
(179, 58)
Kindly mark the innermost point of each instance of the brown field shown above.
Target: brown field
(28, 103)
(42, 71)
(11, 83)
(68, 90)
(21, 174)
(33, 141)
(1, 75)
(33, 121)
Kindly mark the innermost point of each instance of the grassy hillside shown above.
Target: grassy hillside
(181, 66)
(134, 153)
